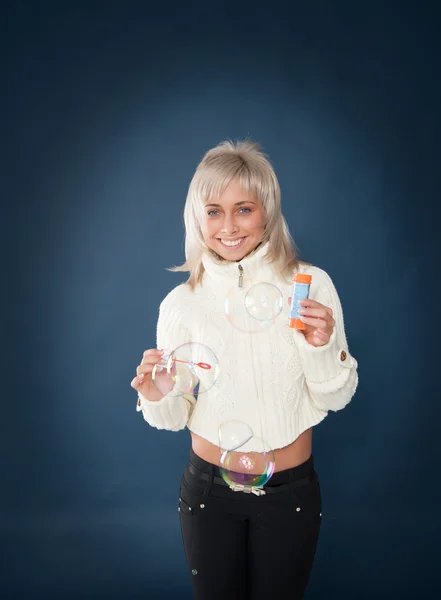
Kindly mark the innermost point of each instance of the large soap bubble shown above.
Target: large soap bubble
(247, 462)
(191, 368)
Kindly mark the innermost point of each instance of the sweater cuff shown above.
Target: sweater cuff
(170, 413)
(322, 363)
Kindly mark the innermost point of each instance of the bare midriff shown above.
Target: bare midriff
(290, 456)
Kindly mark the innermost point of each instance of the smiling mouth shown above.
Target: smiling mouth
(232, 243)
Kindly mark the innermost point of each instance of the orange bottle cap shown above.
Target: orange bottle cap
(296, 324)
(302, 278)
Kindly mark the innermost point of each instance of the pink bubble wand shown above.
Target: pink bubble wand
(202, 365)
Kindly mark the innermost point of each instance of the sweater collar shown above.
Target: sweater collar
(254, 265)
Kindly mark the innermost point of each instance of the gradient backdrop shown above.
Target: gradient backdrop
(109, 107)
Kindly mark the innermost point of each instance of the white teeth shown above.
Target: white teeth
(231, 243)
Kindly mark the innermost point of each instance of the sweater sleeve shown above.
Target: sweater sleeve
(171, 412)
(330, 370)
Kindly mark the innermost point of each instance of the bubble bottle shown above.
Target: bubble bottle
(300, 291)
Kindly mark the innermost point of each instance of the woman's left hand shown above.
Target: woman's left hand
(319, 321)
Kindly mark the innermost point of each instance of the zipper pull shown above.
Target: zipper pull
(240, 275)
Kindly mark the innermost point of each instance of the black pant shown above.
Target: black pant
(245, 547)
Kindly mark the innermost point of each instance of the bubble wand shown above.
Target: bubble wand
(202, 365)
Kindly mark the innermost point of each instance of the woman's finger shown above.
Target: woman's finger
(316, 312)
(151, 359)
(136, 382)
(145, 368)
(320, 338)
(317, 323)
(308, 302)
(323, 335)
(151, 355)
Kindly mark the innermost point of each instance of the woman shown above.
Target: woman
(281, 382)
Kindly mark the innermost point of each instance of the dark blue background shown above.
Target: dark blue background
(109, 107)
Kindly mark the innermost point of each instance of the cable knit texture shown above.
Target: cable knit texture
(269, 376)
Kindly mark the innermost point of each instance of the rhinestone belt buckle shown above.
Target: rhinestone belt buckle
(247, 489)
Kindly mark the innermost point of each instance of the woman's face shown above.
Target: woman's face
(234, 223)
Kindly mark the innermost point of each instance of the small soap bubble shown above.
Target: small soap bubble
(264, 301)
(191, 368)
(234, 434)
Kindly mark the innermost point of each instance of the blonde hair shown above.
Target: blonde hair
(244, 162)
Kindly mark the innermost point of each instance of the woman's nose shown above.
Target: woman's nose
(229, 225)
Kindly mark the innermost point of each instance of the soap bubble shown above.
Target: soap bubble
(234, 434)
(248, 469)
(241, 306)
(247, 462)
(264, 301)
(191, 368)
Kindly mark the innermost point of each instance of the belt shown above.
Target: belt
(272, 489)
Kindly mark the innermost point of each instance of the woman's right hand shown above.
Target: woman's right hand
(143, 383)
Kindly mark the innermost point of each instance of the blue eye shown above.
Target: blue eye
(243, 210)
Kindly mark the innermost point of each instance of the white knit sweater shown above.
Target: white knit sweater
(273, 380)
